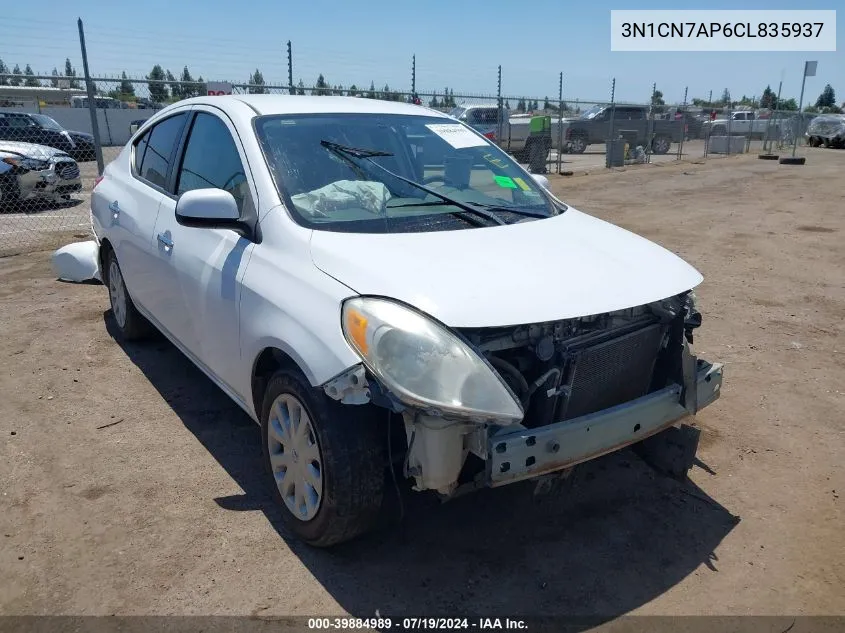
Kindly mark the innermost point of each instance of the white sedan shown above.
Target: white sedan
(344, 268)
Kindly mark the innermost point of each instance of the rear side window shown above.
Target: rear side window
(212, 160)
(157, 147)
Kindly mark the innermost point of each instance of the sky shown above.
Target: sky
(457, 44)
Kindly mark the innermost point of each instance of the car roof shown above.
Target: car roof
(291, 104)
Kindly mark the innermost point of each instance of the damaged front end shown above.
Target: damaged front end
(531, 399)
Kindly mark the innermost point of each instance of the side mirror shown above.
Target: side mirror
(541, 180)
(208, 208)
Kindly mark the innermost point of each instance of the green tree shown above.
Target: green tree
(126, 87)
(769, 99)
(788, 104)
(321, 88)
(16, 81)
(202, 87)
(158, 89)
(371, 93)
(826, 99)
(30, 81)
(520, 105)
(4, 70)
(300, 88)
(186, 82)
(353, 91)
(507, 105)
(70, 73)
(54, 80)
(175, 88)
(726, 98)
(434, 103)
(256, 80)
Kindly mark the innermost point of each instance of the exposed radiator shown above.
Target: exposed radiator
(612, 372)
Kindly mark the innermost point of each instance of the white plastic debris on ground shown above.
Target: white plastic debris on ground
(77, 262)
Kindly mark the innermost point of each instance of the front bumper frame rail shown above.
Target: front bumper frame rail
(520, 454)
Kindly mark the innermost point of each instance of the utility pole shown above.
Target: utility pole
(559, 121)
(290, 69)
(92, 106)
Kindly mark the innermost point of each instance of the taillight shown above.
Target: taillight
(97, 181)
(491, 136)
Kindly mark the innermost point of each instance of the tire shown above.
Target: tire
(130, 323)
(793, 160)
(768, 157)
(577, 144)
(350, 463)
(661, 145)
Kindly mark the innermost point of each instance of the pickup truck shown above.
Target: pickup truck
(630, 121)
(514, 131)
(742, 123)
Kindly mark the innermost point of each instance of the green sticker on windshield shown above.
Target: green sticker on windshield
(504, 181)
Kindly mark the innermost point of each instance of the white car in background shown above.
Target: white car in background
(343, 268)
(31, 172)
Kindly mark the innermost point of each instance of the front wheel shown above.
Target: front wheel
(325, 460)
(578, 144)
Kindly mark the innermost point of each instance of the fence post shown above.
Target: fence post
(92, 106)
(559, 122)
(500, 109)
(683, 124)
(650, 124)
(608, 156)
(290, 69)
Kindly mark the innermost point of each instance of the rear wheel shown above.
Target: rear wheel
(130, 323)
(661, 145)
(325, 459)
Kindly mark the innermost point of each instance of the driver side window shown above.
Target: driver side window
(211, 160)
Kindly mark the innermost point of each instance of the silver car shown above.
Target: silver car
(31, 172)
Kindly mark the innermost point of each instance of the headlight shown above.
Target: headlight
(423, 363)
(27, 163)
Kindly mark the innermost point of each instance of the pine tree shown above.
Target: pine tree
(158, 91)
(769, 99)
(54, 81)
(189, 88)
(175, 88)
(4, 70)
(300, 88)
(257, 81)
(30, 81)
(827, 99)
(321, 88)
(70, 73)
(16, 81)
(126, 87)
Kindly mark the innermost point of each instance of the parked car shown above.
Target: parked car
(34, 172)
(743, 123)
(41, 129)
(348, 270)
(135, 125)
(827, 130)
(596, 125)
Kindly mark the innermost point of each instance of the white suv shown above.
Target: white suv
(347, 267)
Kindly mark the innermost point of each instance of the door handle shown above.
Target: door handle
(114, 207)
(165, 241)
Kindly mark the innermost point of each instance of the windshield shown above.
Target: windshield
(457, 112)
(46, 122)
(592, 112)
(376, 173)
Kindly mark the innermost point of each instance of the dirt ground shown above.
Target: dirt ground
(132, 486)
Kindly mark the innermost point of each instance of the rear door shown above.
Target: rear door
(204, 266)
(127, 203)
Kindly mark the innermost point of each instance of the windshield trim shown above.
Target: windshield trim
(555, 206)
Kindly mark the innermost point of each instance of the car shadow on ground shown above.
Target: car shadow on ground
(614, 537)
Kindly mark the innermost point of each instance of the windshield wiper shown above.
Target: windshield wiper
(516, 210)
(368, 154)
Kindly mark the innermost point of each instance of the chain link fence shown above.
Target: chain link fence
(51, 151)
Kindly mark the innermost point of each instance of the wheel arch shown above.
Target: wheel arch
(267, 362)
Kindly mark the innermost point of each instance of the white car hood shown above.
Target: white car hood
(568, 266)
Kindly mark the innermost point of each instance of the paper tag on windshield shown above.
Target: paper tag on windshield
(456, 135)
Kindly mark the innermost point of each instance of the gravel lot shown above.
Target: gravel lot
(132, 486)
